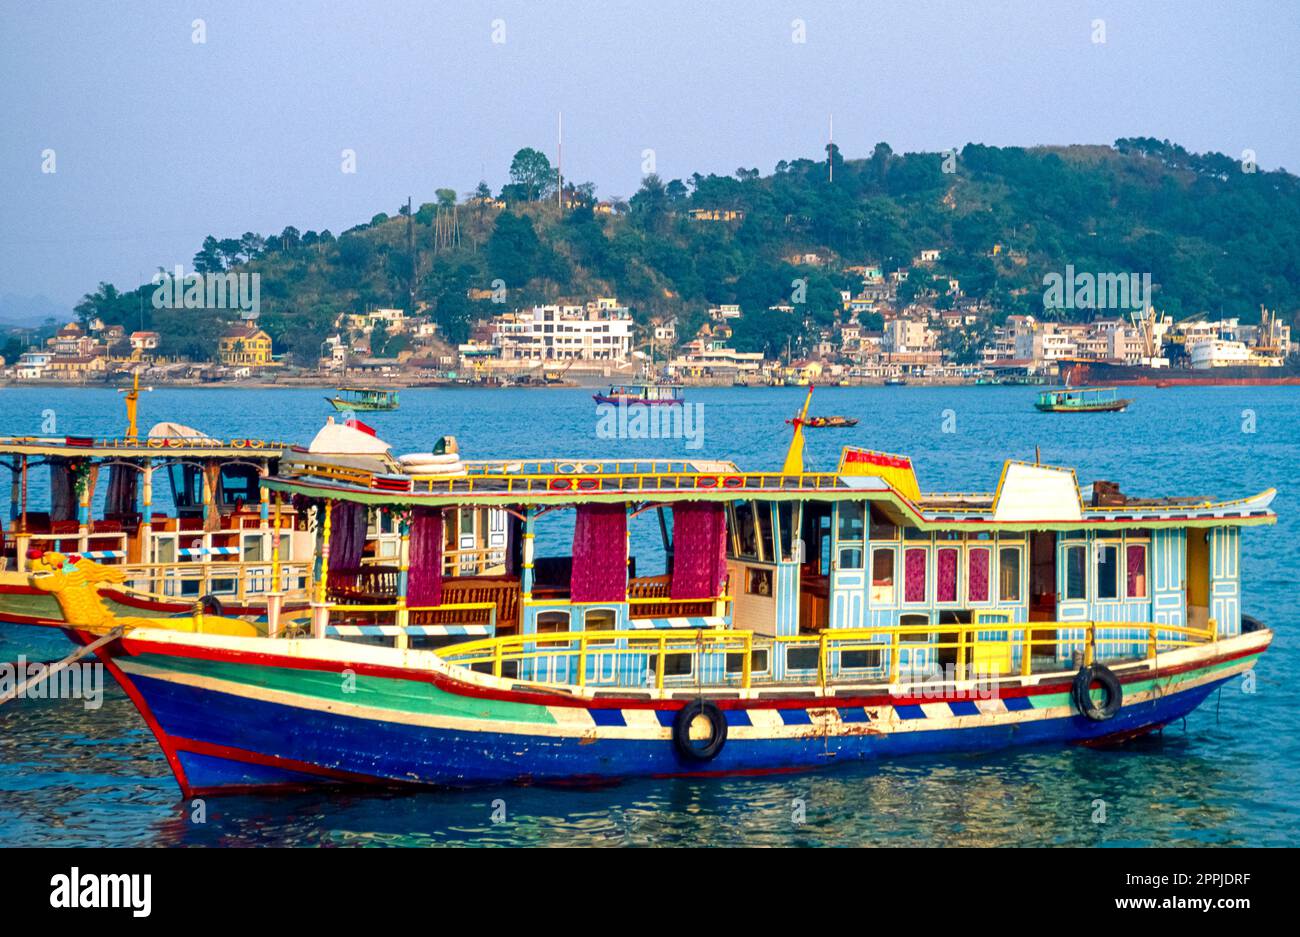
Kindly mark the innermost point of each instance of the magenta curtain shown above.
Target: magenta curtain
(978, 576)
(699, 550)
(599, 554)
(1137, 570)
(945, 569)
(914, 575)
(347, 535)
(424, 576)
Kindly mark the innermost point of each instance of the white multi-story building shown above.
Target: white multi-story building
(599, 331)
(32, 365)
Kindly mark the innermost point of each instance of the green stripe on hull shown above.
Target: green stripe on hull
(411, 696)
(1048, 700)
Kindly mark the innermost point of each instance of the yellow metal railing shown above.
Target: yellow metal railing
(580, 645)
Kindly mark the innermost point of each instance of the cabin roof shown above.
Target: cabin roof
(1029, 496)
(142, 448)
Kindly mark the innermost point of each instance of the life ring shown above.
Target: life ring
(707, 481)
(156, 443)
(733, 481)
(561, 484)
(238, 443)
(211, 605)
(694, 749)
(1081, 692)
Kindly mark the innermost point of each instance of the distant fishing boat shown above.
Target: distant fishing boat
(645, 394)
(1081, 400)
(827, 422)
(895, 381)
(364, 398)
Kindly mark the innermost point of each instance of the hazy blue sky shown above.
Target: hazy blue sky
(160, 141)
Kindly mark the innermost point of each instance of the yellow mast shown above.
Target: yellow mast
(132, 400)
(794, 455)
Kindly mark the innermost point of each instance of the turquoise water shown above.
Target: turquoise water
(1231, 776)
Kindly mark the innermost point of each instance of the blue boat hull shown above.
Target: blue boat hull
(227, 742)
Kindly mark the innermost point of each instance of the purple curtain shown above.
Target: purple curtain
(347, 535)
(599, 554)
(424, 577)
(699, 550)
(914, 575)
(946, 575)
(1137, 571)
(978, 578)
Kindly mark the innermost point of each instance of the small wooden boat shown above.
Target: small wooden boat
(1081, 400)
(647, 394)
(827, 422)
(364, 398)
(895, 381)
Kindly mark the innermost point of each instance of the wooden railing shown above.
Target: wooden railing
(503, 594)
(651, 597)
(366, 584)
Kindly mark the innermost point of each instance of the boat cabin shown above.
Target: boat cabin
(185, 514)
(662, 574)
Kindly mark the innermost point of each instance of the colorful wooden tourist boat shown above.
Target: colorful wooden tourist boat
(1081, 400)
(802, 619)
(363, 398)
(647, 394)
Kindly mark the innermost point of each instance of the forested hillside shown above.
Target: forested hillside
(1215, 237)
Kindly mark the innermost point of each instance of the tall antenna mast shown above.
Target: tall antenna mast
(830, 148)
(559, 163)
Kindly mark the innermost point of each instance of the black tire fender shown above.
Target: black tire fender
(696, 749)
(1081, 692)
(211, 605)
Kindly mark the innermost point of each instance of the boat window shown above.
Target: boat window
(763, 510)
(882, 576)
(238, 484)
(164, 550)
(915, 533)
(1137, 571)
(921, 637)
(977, 574)
(757, 661)
(861, 660)
(552, 622)
(850, 520)
(787, 522)
(1107, 571)
(882, 528)
(802, 658)
(600, 619)
(1076, 572)
(759, 582)
(254, 549)
(187, 486)
(1009, 574)
(746, 530)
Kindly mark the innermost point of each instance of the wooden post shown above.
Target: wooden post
(320, 610)
(403, 614)
(145, 531)
(526, 567)
(21, 541)
(275, 547)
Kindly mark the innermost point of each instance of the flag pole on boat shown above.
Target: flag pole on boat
(794, 455)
